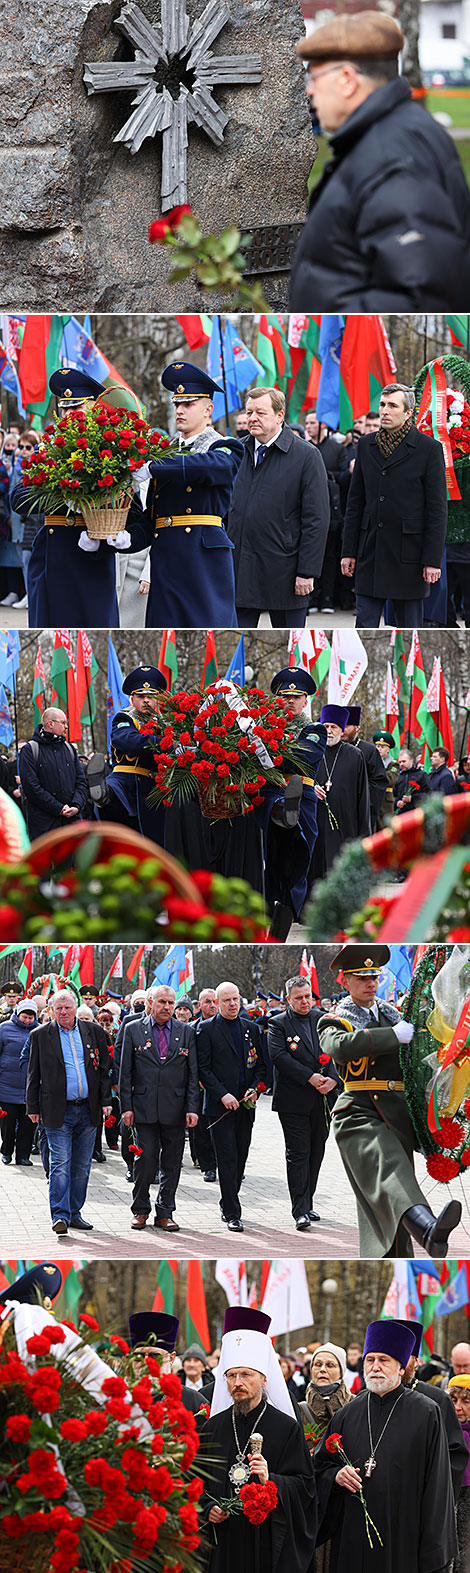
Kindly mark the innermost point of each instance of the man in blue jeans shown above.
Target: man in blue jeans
(68, 1086)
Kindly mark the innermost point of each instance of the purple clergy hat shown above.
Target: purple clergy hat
(337, 714)
(418, 1330)
(390, 1338)
(354, 715)
(237, 1316)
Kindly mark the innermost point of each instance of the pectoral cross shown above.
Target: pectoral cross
(369, 1465)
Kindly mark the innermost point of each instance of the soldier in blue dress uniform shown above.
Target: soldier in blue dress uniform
(192, 581)
(64, 581)
(133, 773)
(288, 816)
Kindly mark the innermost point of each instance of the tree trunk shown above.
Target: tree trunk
(409, 21)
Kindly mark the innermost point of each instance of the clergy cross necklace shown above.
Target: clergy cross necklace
(240, 1471)
(371, 1463)
(330, 773)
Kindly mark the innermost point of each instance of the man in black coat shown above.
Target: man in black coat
(68, 1087)
(159, 1093)
(440, 777)
(389, 223)
(411, 785)
(279, 517)
(230, 1065)
(396, 515)
(54, 783)
(304, 1093)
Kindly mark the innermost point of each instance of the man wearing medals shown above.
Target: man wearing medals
(372, 1120)
(397, 1456)
(252, 1435)
(342, 790)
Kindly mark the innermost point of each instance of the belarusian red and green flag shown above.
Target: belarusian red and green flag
(417, 689)
(398, 658)
(115, 971)
(458, 328)
(168, 659)
(197, 329)
(25, 971)
(303, 336)
(392, 708)
(87, 670)
(309, 647)
(165, 1290)
(135, 964)
(63, 682)
(210, 670)
(272, 350)
(366, 366)
(39, 687)
(197, 1328)
(39, 356)
(433, 715)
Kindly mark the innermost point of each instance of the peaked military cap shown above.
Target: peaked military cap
(188, 382)
(41, 1283)
(383, 737)
(365, 960)
(72, 386)
(12, 986)
(293, 680)
(144, 680)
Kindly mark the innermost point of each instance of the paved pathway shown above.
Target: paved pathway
(269, 1231)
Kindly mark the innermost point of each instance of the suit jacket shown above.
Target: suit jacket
(46, 1086)
(278, 522)
(295, 1061)
(218, 1060)
(396, 516)
(158, 1093)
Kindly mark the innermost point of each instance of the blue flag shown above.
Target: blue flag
(172, 970)
(9, 657)
(329, 352)
(9, 378)
(78, 349)
(455, 1296)
(236, 667)
(396, 976)
(115, 699)
(241, 368)
(6, 729)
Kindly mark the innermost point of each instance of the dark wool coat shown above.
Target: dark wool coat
(56, 777)
(389, 223)
(396, 516)
(278, 522)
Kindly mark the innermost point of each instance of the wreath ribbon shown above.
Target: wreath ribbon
(434, 397)
(460, 1042)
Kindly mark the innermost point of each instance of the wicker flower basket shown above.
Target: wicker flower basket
(24, 1556)
(103, 521)
(220, 806)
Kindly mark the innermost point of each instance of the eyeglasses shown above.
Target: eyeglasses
(313, 76)
(28, 446)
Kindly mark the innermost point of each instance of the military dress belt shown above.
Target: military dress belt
(173, 520)
(374, 1086)
(74, 519)
(131, 770)
(306, 780)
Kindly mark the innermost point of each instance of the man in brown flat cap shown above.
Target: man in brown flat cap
(389, 222)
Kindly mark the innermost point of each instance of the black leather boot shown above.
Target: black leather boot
(430, 1232)
(287, 813)
(281, 921)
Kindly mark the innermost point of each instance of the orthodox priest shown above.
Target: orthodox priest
(342, 789)
(458, 1451)
(132, 754)
(376, 773)
(397, 1453)
(251, 1401)
(372, 1119)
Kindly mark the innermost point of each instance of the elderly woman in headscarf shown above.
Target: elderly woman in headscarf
(326, 1394)
(459, 1392)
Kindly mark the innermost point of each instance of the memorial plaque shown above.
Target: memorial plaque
(272, 248)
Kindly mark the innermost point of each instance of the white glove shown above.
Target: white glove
(404, 1031)
(86, 544)
(139, 477)
(120, 542)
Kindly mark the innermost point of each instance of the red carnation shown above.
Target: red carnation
(18, 1428)
(325, 1059)
(74, 1430)
(441, 1168)
(166, 226)
(90, 1321)
(334, 1442)
(451, 1133)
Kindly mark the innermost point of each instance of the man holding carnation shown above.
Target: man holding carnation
(261, 1459)
(159, 1091)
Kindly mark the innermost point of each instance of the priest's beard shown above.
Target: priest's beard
(241, 1406)
(381, 1384)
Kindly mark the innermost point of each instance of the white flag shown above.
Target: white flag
(286, 1298)
(402, 1298)
(231, 1275)
(348, 663)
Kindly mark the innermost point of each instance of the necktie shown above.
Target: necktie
(162, 1044)
(261, 452)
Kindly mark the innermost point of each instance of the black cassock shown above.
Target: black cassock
(285, 1543)
(348, 800)
(232, 847)
(409, 1494)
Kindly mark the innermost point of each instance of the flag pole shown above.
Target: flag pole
(224, 379)
(464, 734)
(90, 720)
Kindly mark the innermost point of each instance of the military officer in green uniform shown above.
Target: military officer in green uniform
(372, 1120)
(384, 742)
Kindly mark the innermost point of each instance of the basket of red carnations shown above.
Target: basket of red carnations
(84, 467)
(224, 745)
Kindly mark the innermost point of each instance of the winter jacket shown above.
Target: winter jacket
(55, 778)
(389, 221)
(13, 1035)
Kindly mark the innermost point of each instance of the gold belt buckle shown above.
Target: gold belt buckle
(392, 1086)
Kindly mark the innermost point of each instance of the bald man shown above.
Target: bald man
(53, 782)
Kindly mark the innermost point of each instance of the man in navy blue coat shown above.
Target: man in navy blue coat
(192, 582)
(133, 773)
(53, 782)
(69, 575)
(288, 817)
(440, 777)
(229, 1063)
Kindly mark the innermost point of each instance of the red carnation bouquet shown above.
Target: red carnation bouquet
(255, 1501)
(223, 745)
(88, 459)
(334, 1444)
(100, 1480)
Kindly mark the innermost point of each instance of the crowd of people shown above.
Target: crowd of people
(354, 1457)
(158, 1073)
(303, 519)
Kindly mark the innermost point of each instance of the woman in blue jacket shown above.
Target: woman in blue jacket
(16, 1129)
